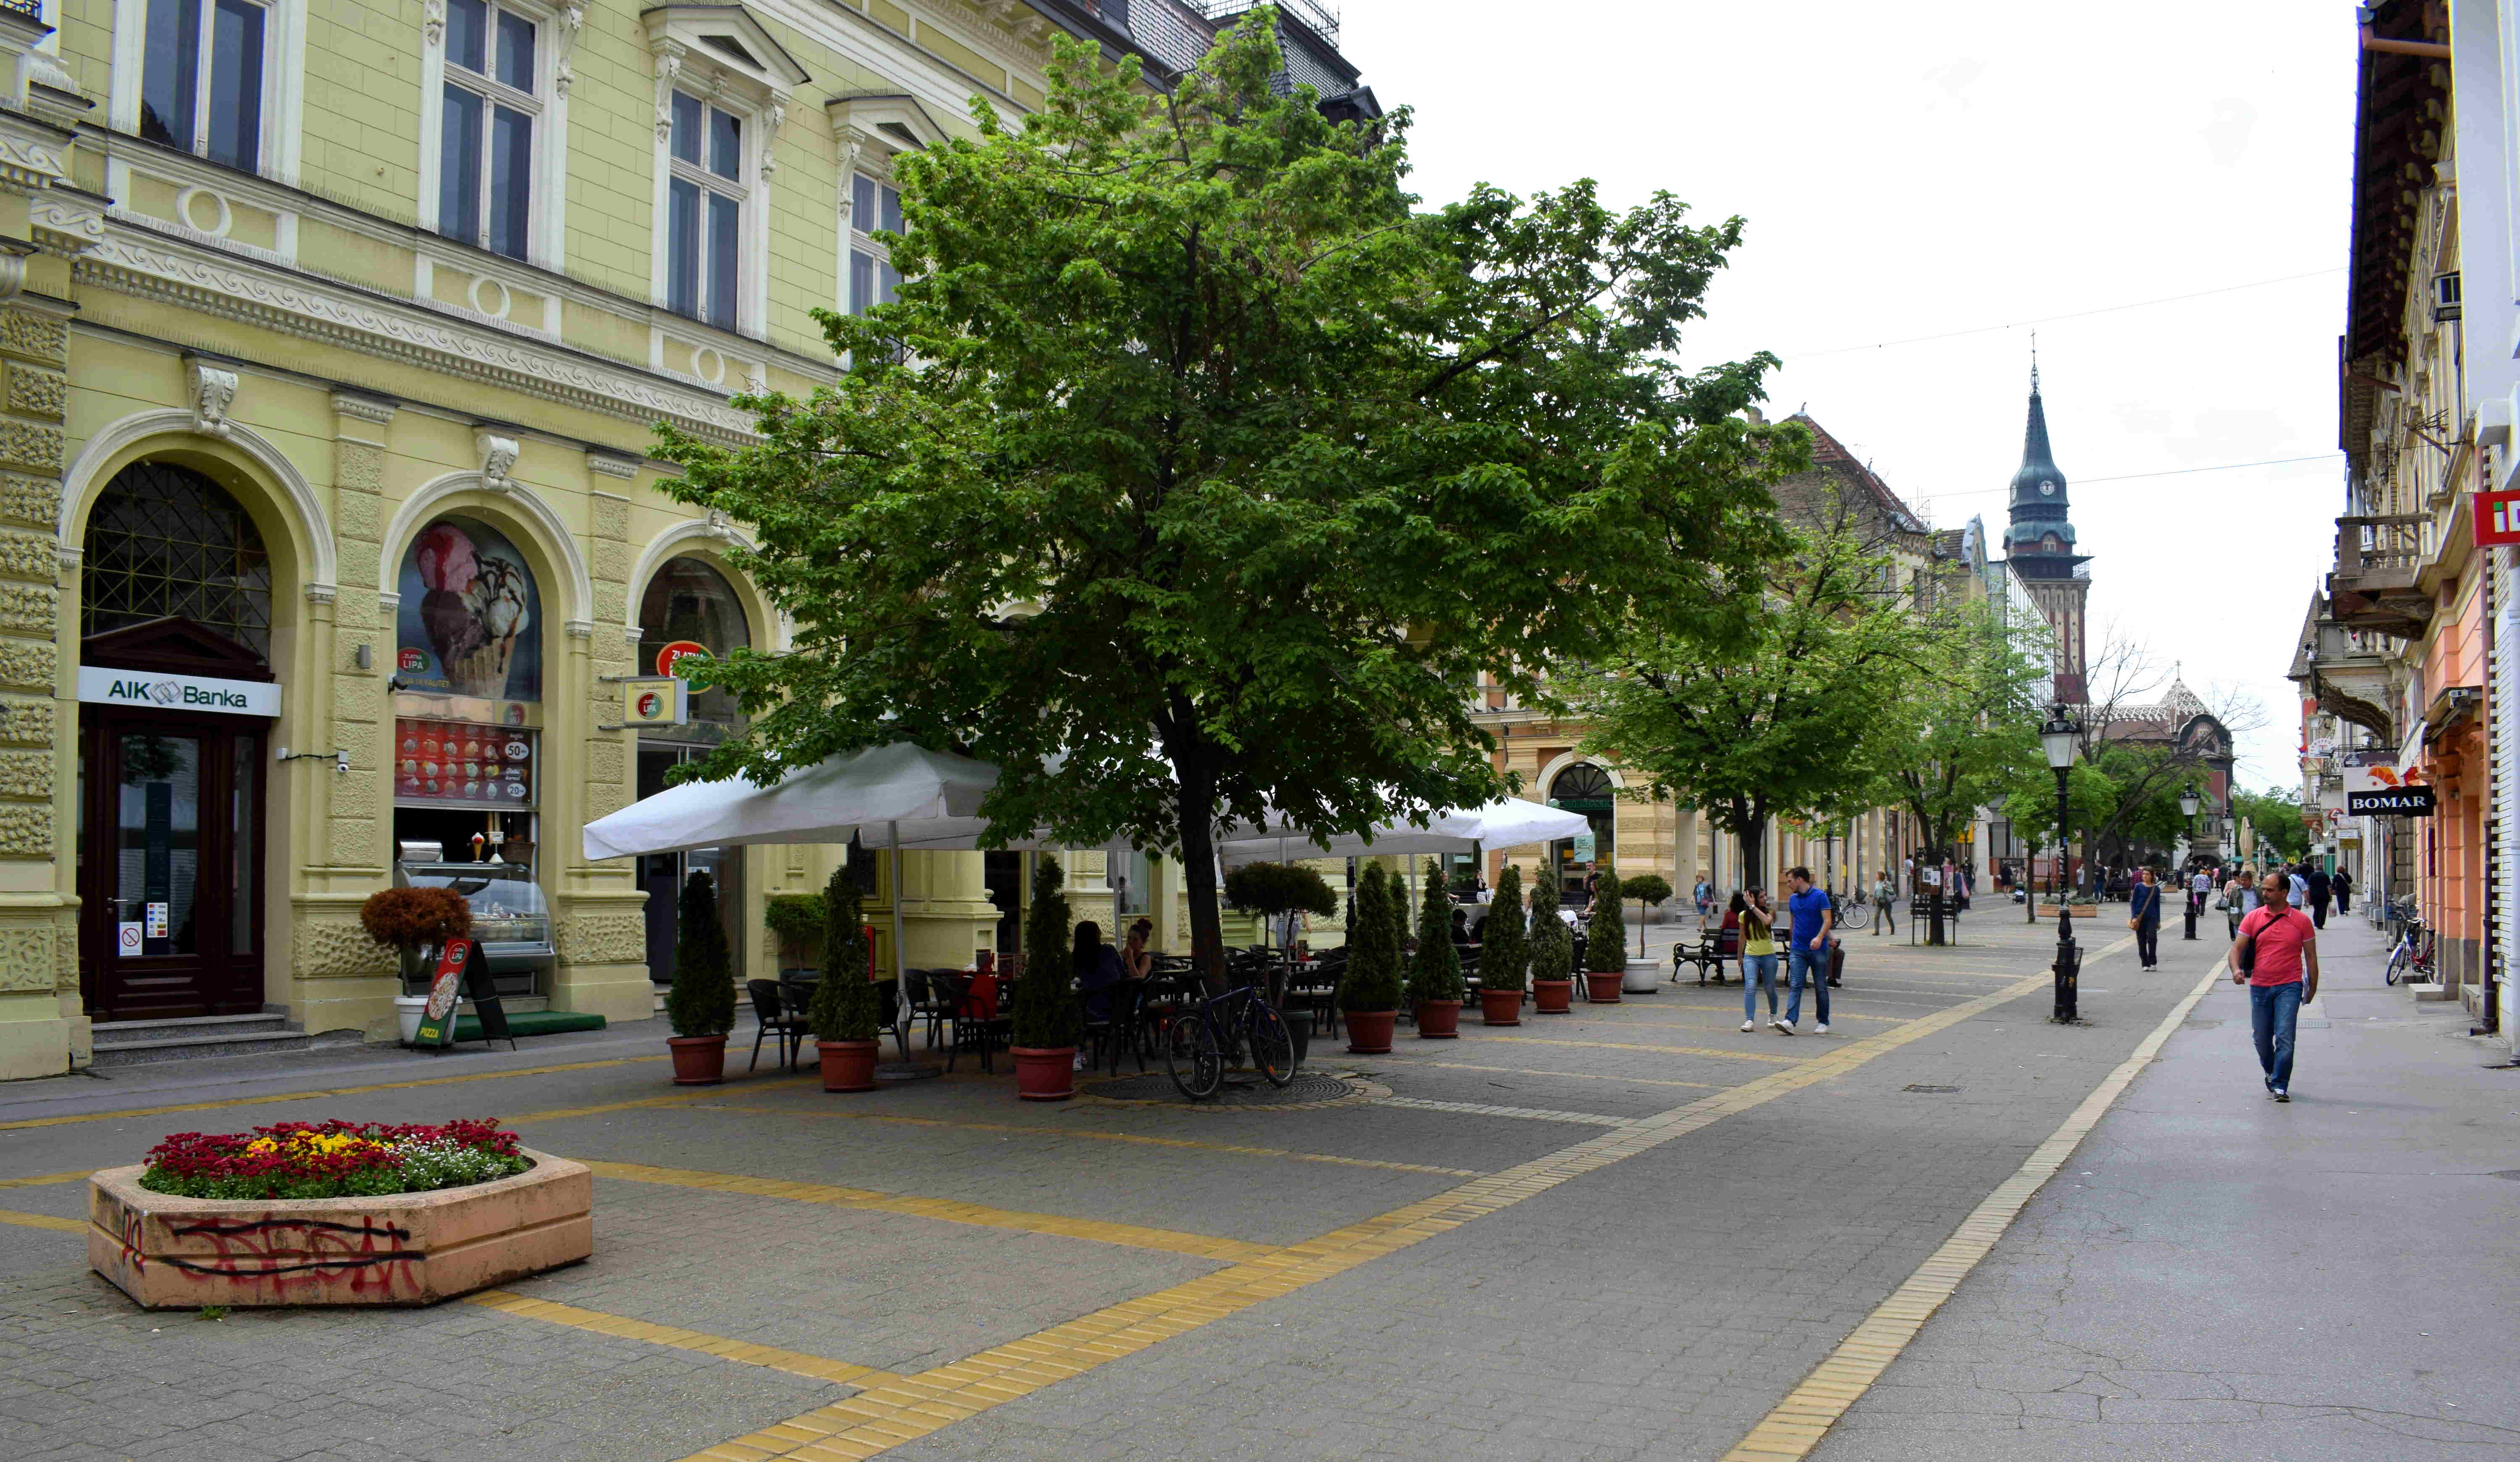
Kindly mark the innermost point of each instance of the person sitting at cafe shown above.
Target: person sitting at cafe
(1462, 928)
(1098, 970)
(980, 1001)
(1135, 961)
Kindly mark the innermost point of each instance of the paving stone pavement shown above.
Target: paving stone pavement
(1655, 1308)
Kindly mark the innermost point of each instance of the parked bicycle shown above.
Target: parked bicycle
(2412, 958)
(1198, 1039)
(1851, 913)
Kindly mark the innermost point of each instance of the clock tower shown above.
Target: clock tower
(2039, 544)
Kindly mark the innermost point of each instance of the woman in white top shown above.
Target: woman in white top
(2241, 895)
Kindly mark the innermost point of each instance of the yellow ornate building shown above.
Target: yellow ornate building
(333, 336)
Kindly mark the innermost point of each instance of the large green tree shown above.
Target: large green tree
(1974, 719)
(1800, 718)
(1195, 471)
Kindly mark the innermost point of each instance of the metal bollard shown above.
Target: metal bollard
(2191, 916)
(2069, 974)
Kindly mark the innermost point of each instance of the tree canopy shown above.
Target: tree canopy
(1196, 470)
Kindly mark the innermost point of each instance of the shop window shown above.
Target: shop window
(469, 627)
(164, 541)
(689, 609)
(1587, 789)
(201, 77)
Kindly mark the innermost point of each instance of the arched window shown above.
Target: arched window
(1587, 789)
(691, 604)
(164, 541)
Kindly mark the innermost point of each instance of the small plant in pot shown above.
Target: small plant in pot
(797, 920)
(1435, 974)
(1505, 952)
(701, 1004)
(1605, 944)
(1370, 994)
(414, 923)
(1274, 890)
(1552, 950)
(846, 1016)
(1047, 1023)
(1646, 888)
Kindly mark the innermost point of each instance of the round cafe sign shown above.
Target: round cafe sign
(672, 655)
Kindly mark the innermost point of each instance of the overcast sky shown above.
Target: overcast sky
(1913, 170)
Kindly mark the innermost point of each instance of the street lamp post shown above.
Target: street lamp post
(2187, 810)
(2056, 738)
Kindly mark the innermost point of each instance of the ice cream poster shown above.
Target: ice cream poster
(471, 621)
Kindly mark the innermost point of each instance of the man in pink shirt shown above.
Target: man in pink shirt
(2276, 956)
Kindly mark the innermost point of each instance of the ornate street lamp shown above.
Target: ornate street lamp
(2056, 738)
(2188, 804)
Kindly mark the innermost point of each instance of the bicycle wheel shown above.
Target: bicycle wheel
(2397, 964)
(1191, 1057)
(1273, 1045)
(1856, 916)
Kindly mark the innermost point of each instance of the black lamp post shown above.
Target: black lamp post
(2188, 804)
(2057, 737)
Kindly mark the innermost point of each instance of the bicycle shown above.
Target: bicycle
(1851, 913)
(2412, 958)
(1194, 1056)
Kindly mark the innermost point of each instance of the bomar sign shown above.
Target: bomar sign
(145, 690)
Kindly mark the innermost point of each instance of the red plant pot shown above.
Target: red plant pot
(1552, 996)
(1045, 1074)
(699, 1060)
(1439, 1020)
(1500, 1007)
(1604, 988)
(847, 1064)
(1369, 1031)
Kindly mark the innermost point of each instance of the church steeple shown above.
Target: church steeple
(2040, 525)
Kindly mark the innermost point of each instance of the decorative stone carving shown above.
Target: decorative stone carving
(213, 390)
(30, 445)
(498, 454)
(433, 25)
(25, 333)
(26, 774)
(67, 224)
(32, 500)
(29, 609)
(720, 526)
(29, 164)
(623, 468)
(13, 274)
(363, 408)
(579, 629)
(852, 142)
(359, 513)
(29, 554)
(669, 66)
(323, 950)
(27, 831)
(569, 23)
(29, 664)
(37, 392)
(772, 118)
(604, 939)
(28, 961)
(25, 723)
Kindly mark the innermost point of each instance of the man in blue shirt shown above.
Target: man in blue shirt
(1809, 951)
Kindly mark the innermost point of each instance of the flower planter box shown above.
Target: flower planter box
(1644, 977)
(1439, 1020)
(1500, 1007)
(1604, 989)
(1552, 996)
(170, 1253)
(1369, 1031)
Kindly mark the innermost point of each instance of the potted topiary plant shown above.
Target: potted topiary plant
(701, 1004)
(1046, 1020)
(1605, 943)
(1274, 890)
(412, 923)
(846, 1016)
(1552, 950)
(1644, 977)
(1504, 952)
(1370, 993)
(797, 920)
(1435, 973)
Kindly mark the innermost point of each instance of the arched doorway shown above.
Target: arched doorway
(1584, 788)
(176, 700)
(689, 609)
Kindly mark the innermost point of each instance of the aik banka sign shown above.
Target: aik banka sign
(147, 689)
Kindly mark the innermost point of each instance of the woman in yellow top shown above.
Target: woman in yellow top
(1758, 957)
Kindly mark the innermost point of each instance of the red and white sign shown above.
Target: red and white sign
(2497, 519)
(677, 651)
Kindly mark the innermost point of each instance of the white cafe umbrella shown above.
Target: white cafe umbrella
(1506, 822)
(900, 796)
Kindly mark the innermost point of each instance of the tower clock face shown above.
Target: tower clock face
(2047, 489)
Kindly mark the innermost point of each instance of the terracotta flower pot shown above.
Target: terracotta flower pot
(1369, 1031)
(1045, 1074)
(847, 1064)
(1500, 1007)
(699, 1060)
(1439, 1020)
(1604, 989)
(1552, 996)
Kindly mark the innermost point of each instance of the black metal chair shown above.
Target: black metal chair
(926, 1004)
(775, 1016)
(1120, 1032)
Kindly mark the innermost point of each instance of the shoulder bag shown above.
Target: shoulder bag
(2246, 960)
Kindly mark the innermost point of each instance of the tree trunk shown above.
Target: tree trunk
(1752, 830)
(1196, 818)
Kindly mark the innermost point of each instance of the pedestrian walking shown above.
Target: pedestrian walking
(2144, 916)
(1733, 927)
(1886, 895)
(2320, 888)
(2297, 885)
(1705, 895)
(2240, 897)
(1758, 956)
(2199, 889)
(2276, 956)
(1809, 952)
(2342, 885)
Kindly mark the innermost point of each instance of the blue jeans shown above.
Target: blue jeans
(1812, 963)
(2274, 1010)
(1757, 970)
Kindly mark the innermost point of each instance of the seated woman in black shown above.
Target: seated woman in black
(1098, 969)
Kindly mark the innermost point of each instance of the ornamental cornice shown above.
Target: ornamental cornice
(66, 222)
(30, 160)
(235, 290)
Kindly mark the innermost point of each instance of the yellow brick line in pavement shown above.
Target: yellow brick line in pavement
(306, 1096)
(947, 1209)
(1798, 1422)
(43, 1221)
(1727, 1025)
(1087, 1135)
(46, 1180)
(1614, 1045)
(1524, 1071)
(690, 1096)
(622, 1327)
(884, 1417)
